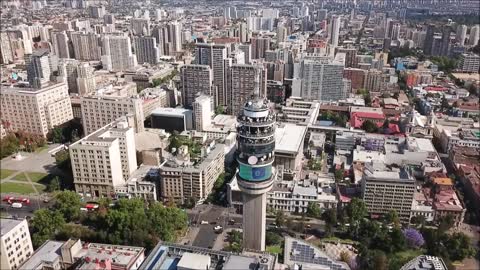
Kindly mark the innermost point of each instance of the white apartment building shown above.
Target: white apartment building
(322, 79)
(98, 111)
(180, 179)
(35, 111)
(117, 53)
(15, 244)
(469, 62)
(104, 160)
(202, 112)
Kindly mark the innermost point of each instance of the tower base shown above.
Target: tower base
(254, 219)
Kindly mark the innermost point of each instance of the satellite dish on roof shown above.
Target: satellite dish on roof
(252, 160)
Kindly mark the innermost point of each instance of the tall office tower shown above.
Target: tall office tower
(194, 80)
(160, 14)
(140, 27)
(474, 35)
(259, 46)
(396, 31)
(146, 50)
(335, 32)
(36, 111)
(321, 14)
(85, 79)
(214, 56)
(230, 13)
(322, 80)
(242, 82)
(60, 44)
(175, 36)
(256, 143)
(85, 46)
(202, 112)
(38, 68)
(385, 189)
(67, 71)
(6, 52)
(247, 51)
(282, 33)
(14, 237)
(117, 53)
(244, 35)
(445, 46)
(461, 34)
(108, 19)
(350, 56)
(104, 159)
(96, 12)
(160, 33)
(428, 44)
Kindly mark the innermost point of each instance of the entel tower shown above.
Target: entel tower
(256, 144)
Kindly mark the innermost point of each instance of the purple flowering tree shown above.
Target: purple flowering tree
(414, 237)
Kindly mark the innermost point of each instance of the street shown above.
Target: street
(36, 202)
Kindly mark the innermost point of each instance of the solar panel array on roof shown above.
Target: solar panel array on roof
(306, 254)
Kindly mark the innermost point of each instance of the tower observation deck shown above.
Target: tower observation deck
(256, 144)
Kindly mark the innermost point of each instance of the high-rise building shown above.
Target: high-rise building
(99, 111)
(202, 112)
(474, 36)
(15, 243)
(6, 52)
(259, 46)
(350, 56)
(96, 12)
(104, 160)
(242, 82)
(322, 79)
(146, 50)
(36, 111)
(335, 32)
(60, 44)
(428, 44)
(175, 36)
(282, 33)
(244, 35)
(195, 79)
(67, 72)
(38, 68)
(461, 34)
(214, 55)
(140, 27)
(118, 53)
(85, 46)
(108, 19)
(321, 14)
(384, 190)
(256, 144)
(247, 52)
(160, 33)
(445, 46)
(469, 63)
(85, 79)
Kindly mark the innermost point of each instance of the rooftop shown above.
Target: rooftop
(425, 262)
(289, 138)
(170, 111)
(6, 225)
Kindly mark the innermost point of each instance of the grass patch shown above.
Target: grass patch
(41, 148)
(339, 240)
(40, 188)
(274, 249)
(6, 173)
(9, 187)
(37, 177)
(21, 177)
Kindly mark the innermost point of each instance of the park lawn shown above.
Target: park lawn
(4, 173)
(21, 177)
(41, 148)
(274, 249)
(36, 176)
(40, 188)
(9, 187)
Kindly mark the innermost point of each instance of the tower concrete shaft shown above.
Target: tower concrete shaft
(256, 143)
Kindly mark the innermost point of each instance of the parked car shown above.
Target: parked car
(17, 205)
(218, 229)
(204, 222)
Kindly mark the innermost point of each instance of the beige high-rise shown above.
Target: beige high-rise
(35, 111)
(15, 243)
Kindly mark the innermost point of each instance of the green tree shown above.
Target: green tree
(166, 221)
(356, 211)
(458, 245)
(313, 210)
(57, 135)
(369, 126)
(330, 218)
(445, 223)
(272, 239)
(68, 203)
(392, 218)
(339, 173)
(45, 224)
(289, 223)
(280, 218)
(8, 145)
(54, 185)
(219, 110)
(380, 261)
(61, 157)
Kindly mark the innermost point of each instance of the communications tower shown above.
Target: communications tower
(256, 144)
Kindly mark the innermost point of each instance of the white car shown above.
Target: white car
(17, 205)
(217, 228)
(204, 222)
